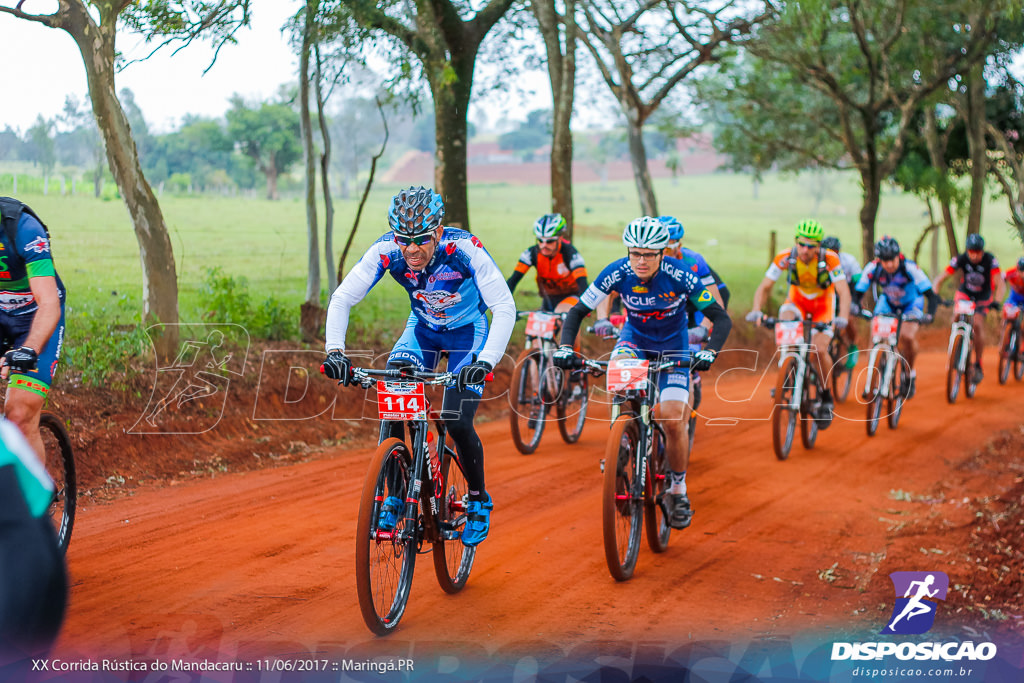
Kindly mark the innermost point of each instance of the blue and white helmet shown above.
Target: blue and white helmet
(675, 228)
(415, 210)
(646, 233)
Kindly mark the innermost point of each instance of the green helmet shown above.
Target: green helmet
(549, 225)
(810, 229)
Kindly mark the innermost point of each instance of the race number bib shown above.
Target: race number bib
(883, 326)
(625, 374)
(401, 401)
(789, 333)
(964, 307)
(541, 325)
(1010, 312)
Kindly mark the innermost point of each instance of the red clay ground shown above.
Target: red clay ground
(259, 563)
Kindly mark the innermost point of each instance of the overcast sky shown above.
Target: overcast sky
(42, 66)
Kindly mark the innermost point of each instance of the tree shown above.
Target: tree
(861, 71)
(82, 130)
(311, 311)
(560, 35)
(531, 134)
(445, 46)
(40, 139)
(268, 134)
(643, 49)
(93, 26)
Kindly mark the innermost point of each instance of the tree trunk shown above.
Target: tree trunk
(937, 154)
(159, 275)
(325, 175)
(312, 225)
(270, 170)
(451, 102)
(641, 173)
(562, 75)
(976, 144)
(871, 192)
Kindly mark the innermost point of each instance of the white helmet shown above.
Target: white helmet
(646, 233)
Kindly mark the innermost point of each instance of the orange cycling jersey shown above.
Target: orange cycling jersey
(558, 276)
(805, 282)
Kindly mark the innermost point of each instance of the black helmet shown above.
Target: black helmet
(975, 242)
(1020, 264)
(887, 248)
(832, 243)
(415, 211)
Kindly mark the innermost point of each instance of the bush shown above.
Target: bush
(226, 299)
(103, 352)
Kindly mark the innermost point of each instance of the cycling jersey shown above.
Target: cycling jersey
(455, 289)
(656, 308)
(1014, 283)
(901, 289)
(976, 282)
(559, 276)
(851, 267)
(807, 282)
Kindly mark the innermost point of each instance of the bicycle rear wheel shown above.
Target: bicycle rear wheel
(900, 379)
(622, 498)
(452, 560)
(812, 401)
(953, 373)
(528, 409)
(873, 388)
(60, 464)
(385, 558)
(656, 513)
(1006, 355)
(571, 408)
(784, 416)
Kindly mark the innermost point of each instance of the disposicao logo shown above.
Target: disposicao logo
(917, 596)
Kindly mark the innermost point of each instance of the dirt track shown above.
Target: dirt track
(260, 563)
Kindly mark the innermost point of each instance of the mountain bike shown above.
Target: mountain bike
(1010, 352)
(962, 357)
(798, 389)
(425, 473)
(888, 378)
(60, 465)
(537, 386)
(635, 467)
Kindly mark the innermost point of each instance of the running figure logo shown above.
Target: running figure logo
(916, 596)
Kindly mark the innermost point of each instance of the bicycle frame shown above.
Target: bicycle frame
(890, 345)
(962, 326)
(800, 352)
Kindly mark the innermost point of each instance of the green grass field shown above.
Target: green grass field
(265, 242)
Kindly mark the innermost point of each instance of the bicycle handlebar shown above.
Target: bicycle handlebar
(601, 366)
(365, 376)
(767, 321)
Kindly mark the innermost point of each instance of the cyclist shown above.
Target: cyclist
(982, 283)
(1015, 284)
(33, 579)
(655, 290)
(31, 316)
(451, 281)
(815, 278)
(561, 273)
(709, 278)
(852, 270)
(898, 283)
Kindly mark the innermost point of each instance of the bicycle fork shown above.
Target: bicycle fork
(964, 330)
(885, 379)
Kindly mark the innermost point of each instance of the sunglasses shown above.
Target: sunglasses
(808, 245)
(418, 240)
(641, 256)
(550, 240)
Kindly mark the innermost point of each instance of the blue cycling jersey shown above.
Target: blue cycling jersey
(900, 289)
(28, 257)
(654, 308)
(453, 290)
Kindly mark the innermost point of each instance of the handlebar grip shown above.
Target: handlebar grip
(322, 371)
(489, 377)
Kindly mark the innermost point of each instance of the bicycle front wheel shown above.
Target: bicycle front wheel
(60, 464)
(572, 405)
(954, 375)
(808, 418)
(1006, 355)
(873, 388)
(527, 407)
(897, 397)
(622, 498)
(970, 374)
(1018, 362)
(385, 548)
(452, 560)
(784, 416)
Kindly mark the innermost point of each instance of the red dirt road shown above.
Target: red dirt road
(260, 564)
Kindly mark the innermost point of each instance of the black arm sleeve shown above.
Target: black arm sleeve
(855, 296)
(722, 325)
(933, 301)
(513, 280)
(581, 285)
(571, 326)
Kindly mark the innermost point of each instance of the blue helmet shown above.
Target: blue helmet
(415, 210)
(675, 228)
